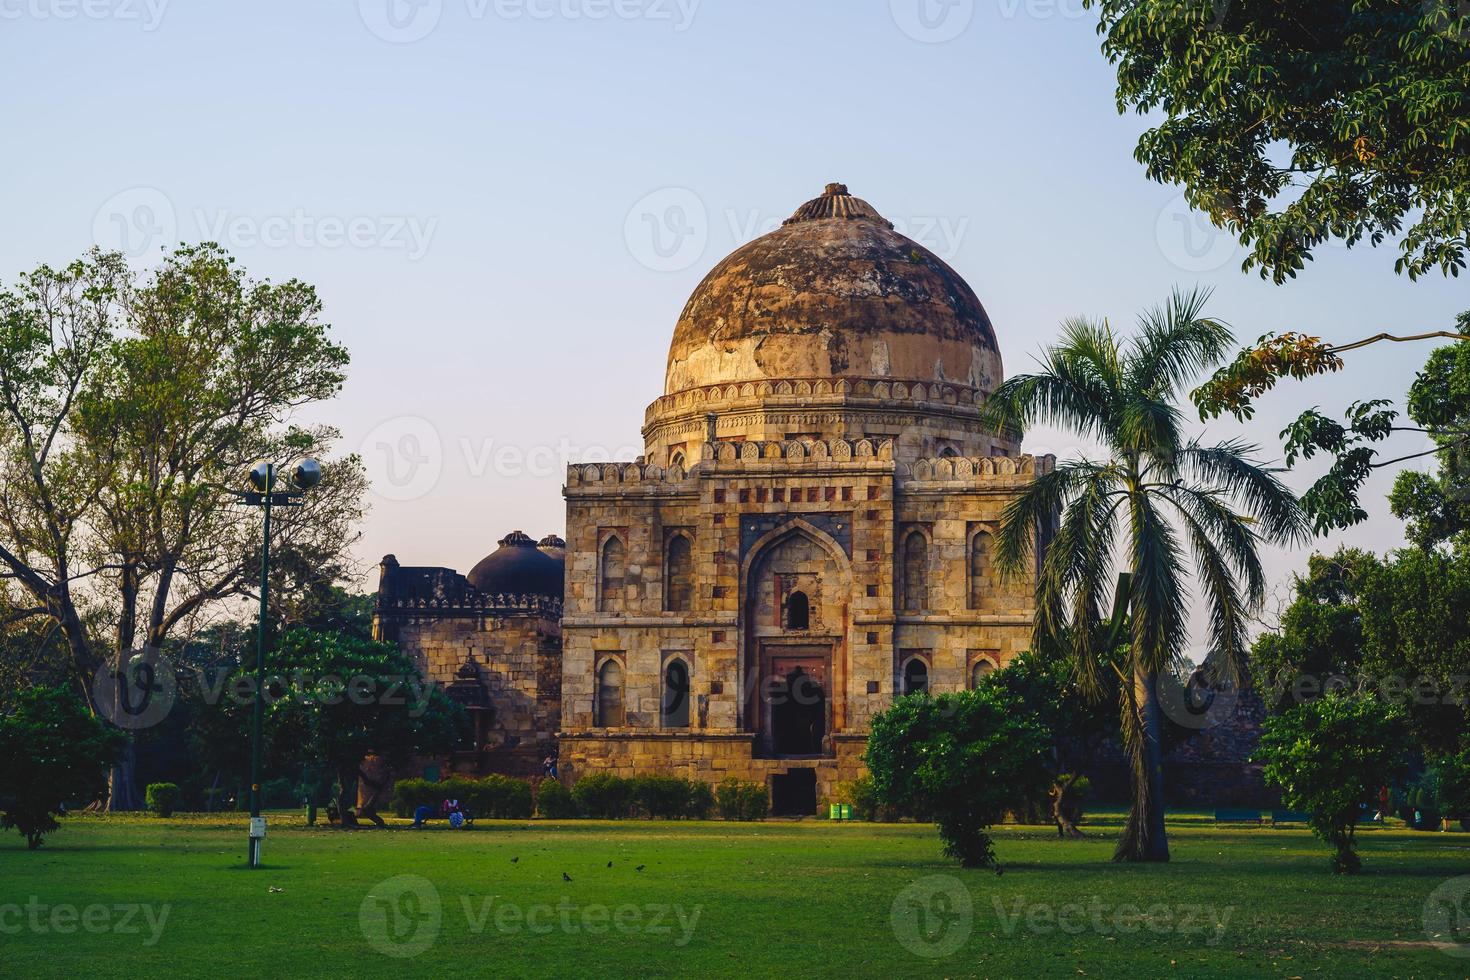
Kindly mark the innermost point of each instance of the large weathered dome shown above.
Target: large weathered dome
(835, 292)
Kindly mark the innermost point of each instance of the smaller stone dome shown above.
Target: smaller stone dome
(553, 546)
(519, 567)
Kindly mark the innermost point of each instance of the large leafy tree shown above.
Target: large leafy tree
(128, 406)
(1295, 123)
(1150, 502)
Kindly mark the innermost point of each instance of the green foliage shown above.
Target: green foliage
(337, 698)
(1452, 783)
(602, 795)
(554, 801)
(1321, 634)
(1154, 499)
(162, 798)
(1418, 640)
(738, 800)
(1293, 124)
(493, 797)
(963, 757)
(658, 796)
(1330, 757)
(700, 800)
(53, 755)
(1436, 506)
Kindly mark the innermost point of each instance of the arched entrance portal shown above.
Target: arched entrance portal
(796, 588)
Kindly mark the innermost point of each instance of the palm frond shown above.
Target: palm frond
(1230, 466)
(1175, 343)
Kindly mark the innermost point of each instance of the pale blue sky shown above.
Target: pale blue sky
(466, 182)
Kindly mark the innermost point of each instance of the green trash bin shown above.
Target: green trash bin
(841, 811)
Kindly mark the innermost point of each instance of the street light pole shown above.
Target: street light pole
(308, 473)
(257, 823)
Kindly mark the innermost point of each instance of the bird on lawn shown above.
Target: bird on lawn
(609, 864)
(515, 860)
(565, 876)
(640, 867)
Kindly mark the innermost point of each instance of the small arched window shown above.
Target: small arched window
(798, 611)
(948, 452)
(675, 711)
(978, 672)
(678, 574)
(915, 572)
(981, 586)
(676, 461)
(916, 677)
(614, 562)
(609, 711)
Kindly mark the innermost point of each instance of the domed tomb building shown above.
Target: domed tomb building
(809, 531)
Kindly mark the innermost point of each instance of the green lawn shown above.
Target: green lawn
(714, 899)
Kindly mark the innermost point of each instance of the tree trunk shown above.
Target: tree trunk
(1061, 807)
(1143, 836)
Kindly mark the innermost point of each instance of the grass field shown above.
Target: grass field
(807, 899)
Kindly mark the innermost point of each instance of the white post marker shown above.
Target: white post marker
(257, 834)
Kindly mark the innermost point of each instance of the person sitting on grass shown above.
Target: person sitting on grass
(420, 814)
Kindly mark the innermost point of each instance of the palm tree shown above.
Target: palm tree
(1152, 500)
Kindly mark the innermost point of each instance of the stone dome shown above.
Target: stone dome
(835, 292)
(519, 567)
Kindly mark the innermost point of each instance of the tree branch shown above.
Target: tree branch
(1446, 334)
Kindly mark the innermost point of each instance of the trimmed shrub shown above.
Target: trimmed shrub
(554, 801)
(701, 800)
(658, 796)
(602, 795)
(738, 800)
(494, 797)
(162, 798)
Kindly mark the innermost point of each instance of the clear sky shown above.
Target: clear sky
(505, 203)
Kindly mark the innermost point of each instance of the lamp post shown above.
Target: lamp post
(307, 474)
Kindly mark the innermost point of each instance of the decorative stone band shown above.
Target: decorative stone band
(731, 396)
(470, 604)
(724, 455)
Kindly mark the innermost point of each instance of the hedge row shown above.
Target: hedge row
(608, 797)
(492, 797)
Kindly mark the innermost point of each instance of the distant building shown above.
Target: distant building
(808, 533)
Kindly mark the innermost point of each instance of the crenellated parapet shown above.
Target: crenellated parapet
(969, 469)
(734, 454)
